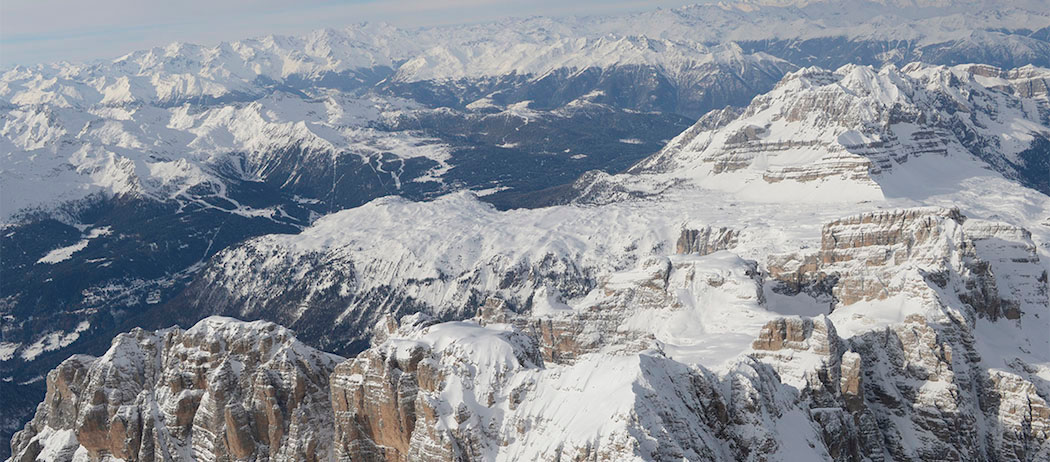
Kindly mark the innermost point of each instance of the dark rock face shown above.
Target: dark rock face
(339, 295)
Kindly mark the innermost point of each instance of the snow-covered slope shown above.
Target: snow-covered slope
(666, 39)
(55, 153)
(859, 133)
(125, 128)
(923, 135)
(702, 357)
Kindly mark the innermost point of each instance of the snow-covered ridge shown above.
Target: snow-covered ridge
(185, 73)
(162, 122)
(937, 307)
(584, 294)
(694, 356)
(859, 133)
(57, 152)
(496, 58)
(701, 357)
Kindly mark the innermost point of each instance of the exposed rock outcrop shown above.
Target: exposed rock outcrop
(222, 390)
(431, 393)
(918, 253)
(496, 389)
(705, 240)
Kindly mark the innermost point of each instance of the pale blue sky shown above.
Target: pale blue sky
(34, 31)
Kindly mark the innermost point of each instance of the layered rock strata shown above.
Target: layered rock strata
(921, 253)
(222, 390)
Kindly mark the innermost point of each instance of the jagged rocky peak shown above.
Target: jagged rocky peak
(661, 300)
(923, 254)
(389, 402)
(861, 133)
(221, 390)
(472, 392)
(558, 382)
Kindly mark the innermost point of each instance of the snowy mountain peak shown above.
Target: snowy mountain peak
(866, 133)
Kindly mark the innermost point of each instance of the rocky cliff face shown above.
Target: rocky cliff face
(923, 255)
(912, 391)
(706, 240)
(222, 390)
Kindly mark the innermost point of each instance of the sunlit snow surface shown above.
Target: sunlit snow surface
(623, 237)
(450, 235)
(596, 397)
(396, 240)
(54, 153)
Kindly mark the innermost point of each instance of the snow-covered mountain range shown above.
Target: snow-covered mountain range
(160, 121)
(761, 230)
(786, 325)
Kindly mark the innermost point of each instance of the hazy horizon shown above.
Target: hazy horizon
(32, 33)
